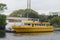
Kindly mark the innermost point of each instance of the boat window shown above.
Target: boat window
(28, 24)
(47, 24)
(32, 24)
(36, 24)
(42, 24)
(39, 24)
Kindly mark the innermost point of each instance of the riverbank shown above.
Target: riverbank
(2, 33)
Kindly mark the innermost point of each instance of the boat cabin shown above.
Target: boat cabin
(37, 24)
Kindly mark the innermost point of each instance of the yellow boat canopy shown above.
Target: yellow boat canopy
(36, 22)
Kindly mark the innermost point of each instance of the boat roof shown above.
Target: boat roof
(36, 22)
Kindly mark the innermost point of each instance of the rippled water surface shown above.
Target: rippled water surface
(32, 36)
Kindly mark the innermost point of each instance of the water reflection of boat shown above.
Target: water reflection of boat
(32, 34)
(33, 27)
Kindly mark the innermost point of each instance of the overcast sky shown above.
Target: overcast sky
(41, 6)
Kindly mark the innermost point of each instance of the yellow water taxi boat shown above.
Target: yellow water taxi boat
(34, 27)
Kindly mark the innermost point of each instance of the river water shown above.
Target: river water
(33, 36)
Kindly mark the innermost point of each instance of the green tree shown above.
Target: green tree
(24, 13)
(2, 17)
(17, 13)
(43, 18)
(31, 13)
(2, 20)
(55, 21)
(2, 7)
